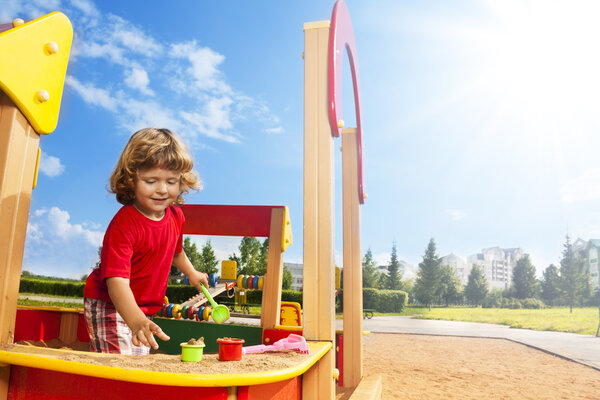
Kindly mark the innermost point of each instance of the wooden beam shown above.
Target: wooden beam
(19, 145)
(318, 292)
(18, 153)
(353, 300)
(271, 299)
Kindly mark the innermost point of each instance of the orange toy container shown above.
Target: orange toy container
(230, 349)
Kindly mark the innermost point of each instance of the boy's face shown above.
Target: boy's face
(155, 190)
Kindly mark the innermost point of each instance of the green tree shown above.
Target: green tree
(394, 275)
(263, 256)
(450, 290)
(249, 256)
(428, 276)
(524, 282)
(208, 261)
(550, 285)
(477, 286)
(191, 250)
(573, 276)
(287, 279)
(370, 273)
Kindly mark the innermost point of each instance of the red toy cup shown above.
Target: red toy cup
(230, 349)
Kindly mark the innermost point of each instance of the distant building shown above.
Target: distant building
(592, 250)
(297, 271)
(497, 265)
(589, 250)
(406, 270)
(461, 268)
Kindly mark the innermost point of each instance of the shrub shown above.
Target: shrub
(58, 288)
(531, 303)
(391, 301)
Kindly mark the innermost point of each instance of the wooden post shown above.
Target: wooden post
(318, 293)
(19, 145)
(271, 299)
(353, 300)
(32, 72)
(18, 153)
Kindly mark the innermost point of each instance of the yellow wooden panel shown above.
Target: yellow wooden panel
(228, 269)
(33, 67)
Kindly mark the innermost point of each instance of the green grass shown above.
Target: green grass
(57, 303)
(583, 320)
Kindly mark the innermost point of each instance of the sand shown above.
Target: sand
(210, 364)
(441, 367)
(412, 367)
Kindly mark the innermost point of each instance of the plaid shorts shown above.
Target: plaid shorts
(108, 331)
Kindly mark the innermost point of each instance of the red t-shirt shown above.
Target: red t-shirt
(141, 250)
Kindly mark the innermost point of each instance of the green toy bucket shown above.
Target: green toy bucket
(191, 352)
(220, 313)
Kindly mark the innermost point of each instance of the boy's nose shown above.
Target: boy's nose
(162, 187)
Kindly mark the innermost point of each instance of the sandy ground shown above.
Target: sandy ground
(441, 367)
(412, 367)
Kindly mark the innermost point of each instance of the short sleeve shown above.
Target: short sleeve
(180, 221)
(117, 250)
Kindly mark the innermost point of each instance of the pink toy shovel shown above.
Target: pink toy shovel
(292, 342)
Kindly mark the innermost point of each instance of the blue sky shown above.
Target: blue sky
(480, 119)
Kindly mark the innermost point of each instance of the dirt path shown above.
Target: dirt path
(438, 367)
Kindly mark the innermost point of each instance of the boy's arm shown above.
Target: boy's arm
(182, 262)
(142, 329)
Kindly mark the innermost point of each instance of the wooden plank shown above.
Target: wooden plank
(271, 299)
(370, 388)
(18, 152)
(68, 327)
(353, 301)
(228, 220)
(318, 293)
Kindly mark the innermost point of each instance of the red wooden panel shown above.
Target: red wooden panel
(82, 332)
(276, 334)
(339, 359)
(36, 325)
(284, 390)
(227, 220)
(39, 384)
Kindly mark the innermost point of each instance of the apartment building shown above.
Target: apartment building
(497, 265)
(297, 272)
(461, 268)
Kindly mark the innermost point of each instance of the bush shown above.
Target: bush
(531, 303)
(370, 298)
(391, 301)
(58, 288)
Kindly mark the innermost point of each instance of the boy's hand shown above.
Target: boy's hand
(197, 277)
(143, 331)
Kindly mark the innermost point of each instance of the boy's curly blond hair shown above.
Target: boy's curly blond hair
(152, 148)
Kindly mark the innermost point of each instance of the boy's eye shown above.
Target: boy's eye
(172, 182)
(150, 181)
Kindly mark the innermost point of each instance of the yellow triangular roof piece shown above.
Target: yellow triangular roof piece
(33, 67)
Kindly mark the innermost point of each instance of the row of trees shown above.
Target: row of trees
(251, 260)
(435, 283)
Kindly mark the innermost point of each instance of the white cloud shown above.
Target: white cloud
(12, 9)
(128, 59)
(278, 129)
(203, 68)
(60, 223)
(87, 7)
(50, 165)
(456, 214)
(582, 188)
(57, 246)
(137, 78)
(93, 95)
(124, 33)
